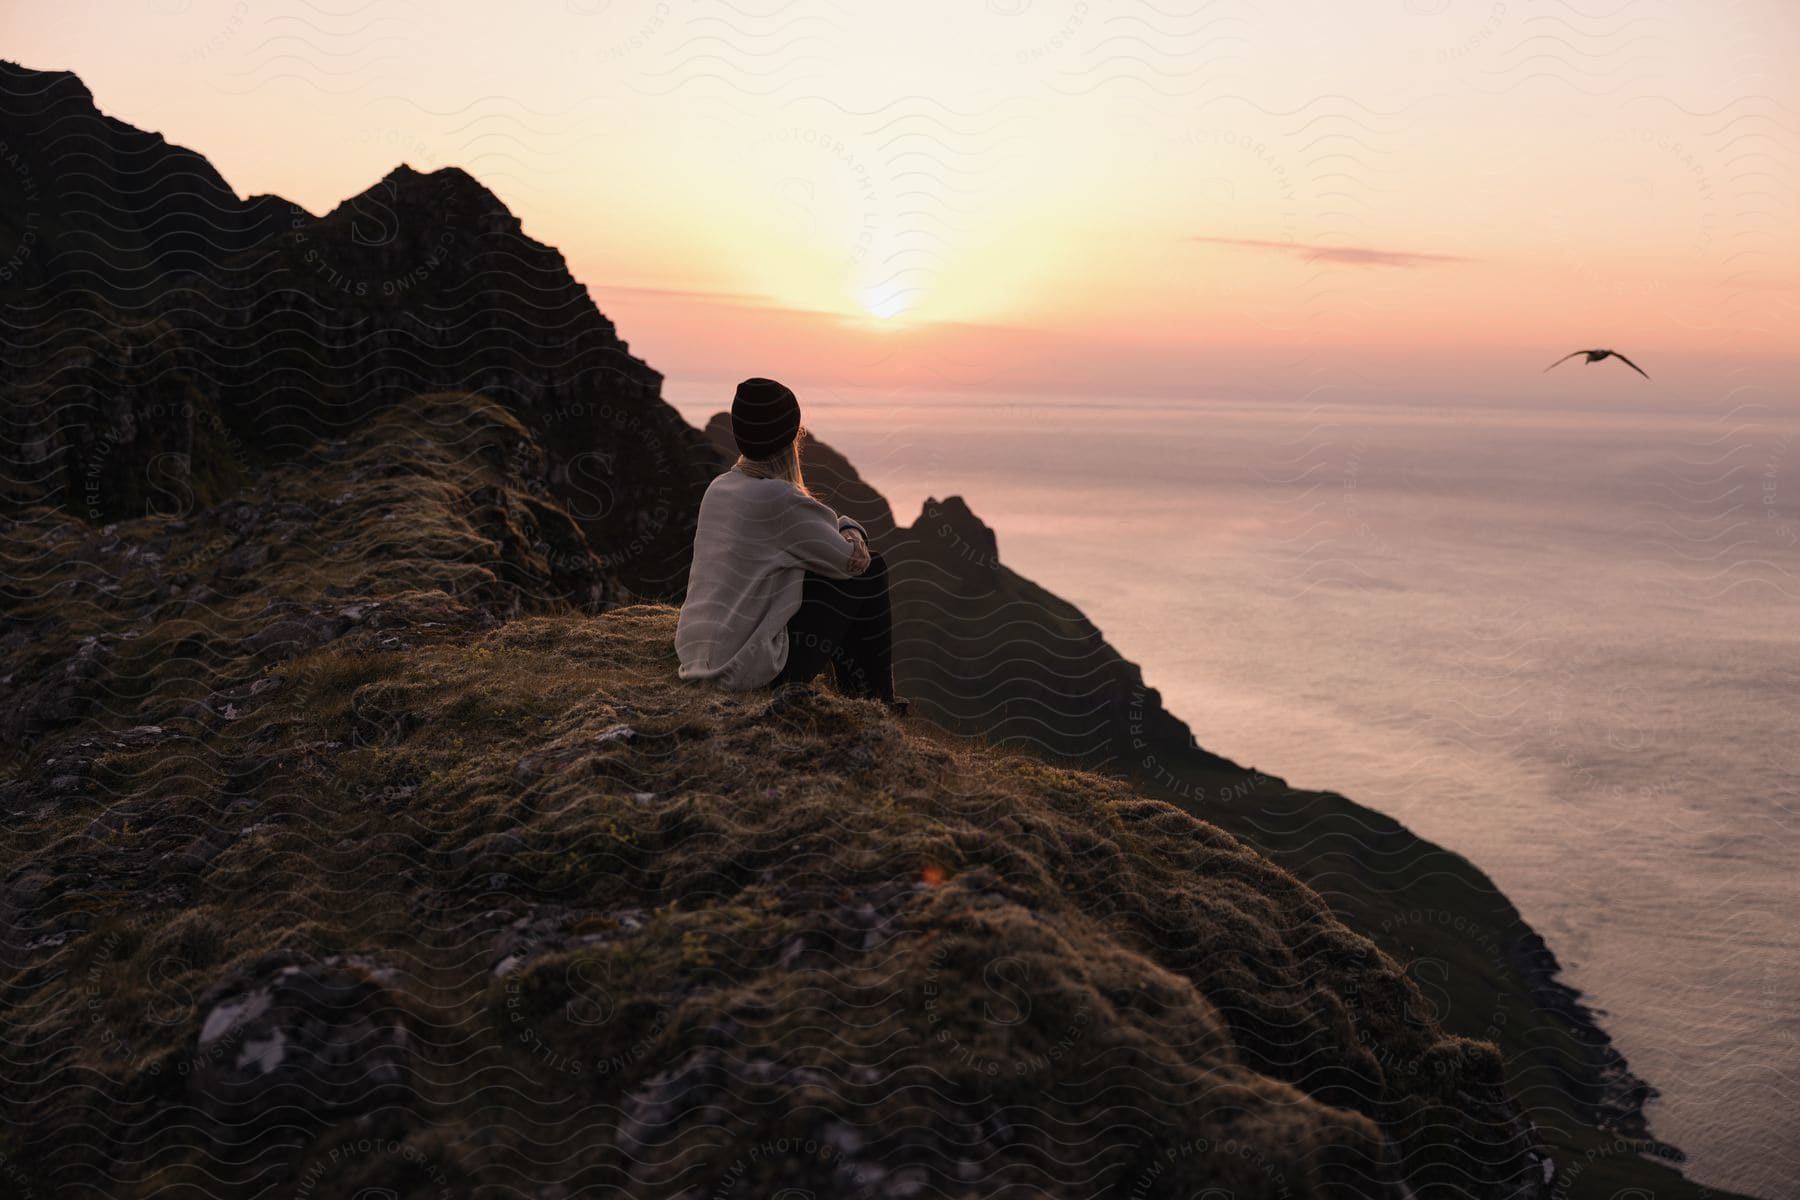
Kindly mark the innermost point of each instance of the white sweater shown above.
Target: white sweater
(754, 543)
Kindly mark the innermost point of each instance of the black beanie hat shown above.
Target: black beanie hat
(765, 418)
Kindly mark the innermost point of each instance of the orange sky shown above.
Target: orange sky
(1424, 196)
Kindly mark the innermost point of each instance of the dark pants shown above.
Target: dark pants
(848, 625)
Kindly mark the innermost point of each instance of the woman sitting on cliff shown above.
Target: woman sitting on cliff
(781, 586)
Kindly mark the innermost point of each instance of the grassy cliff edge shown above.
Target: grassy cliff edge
(348, 851)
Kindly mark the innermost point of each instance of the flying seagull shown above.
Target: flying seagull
(1595, 356)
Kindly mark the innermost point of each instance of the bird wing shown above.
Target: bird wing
(1630, 364)
(1565, 358)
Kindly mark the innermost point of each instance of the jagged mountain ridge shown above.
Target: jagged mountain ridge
(112, 209)
(356, 306)
(165, 322)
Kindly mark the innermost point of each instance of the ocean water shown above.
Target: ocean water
(1563, 642)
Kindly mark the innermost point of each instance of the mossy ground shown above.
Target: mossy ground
(909, 932)
(642, 935)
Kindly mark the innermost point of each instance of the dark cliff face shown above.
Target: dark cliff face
(91, 204)
(425, 282)
(164, 338)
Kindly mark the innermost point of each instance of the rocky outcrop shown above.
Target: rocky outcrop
(300, 1043)
(987, 653)
(375, 839)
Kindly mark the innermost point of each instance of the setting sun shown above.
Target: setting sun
(885, 303)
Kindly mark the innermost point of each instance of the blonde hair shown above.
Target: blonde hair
(783, 464)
